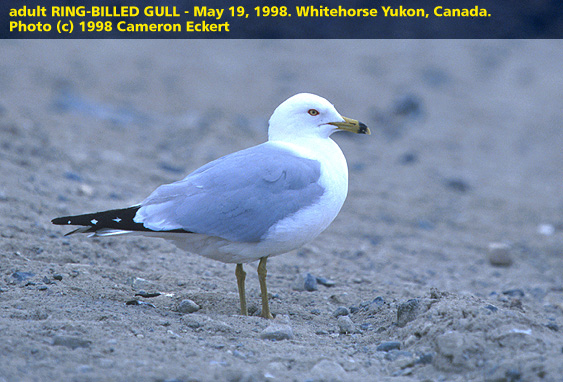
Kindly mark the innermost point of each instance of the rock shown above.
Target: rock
(407, 312)
(85, 190)
(58, 277)
(341, 311)
(457, 184)
(22, 276)
(70, 175)
(277, 332)
(499, 255)
(326, 282)
(492, 308)
(408, 158)
(328, 371)
(552, 326)
(146, 294)
(514, 293)
(345, 325)
(188, 306)
(546, 229)
(71, 342)
(388, 346)
(425, 359)
(407, 105)
(310, 283)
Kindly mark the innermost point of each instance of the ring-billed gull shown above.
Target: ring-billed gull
(252, 204)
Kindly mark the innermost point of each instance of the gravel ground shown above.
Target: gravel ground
(445, 264)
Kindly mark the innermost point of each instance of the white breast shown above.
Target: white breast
(306, 224)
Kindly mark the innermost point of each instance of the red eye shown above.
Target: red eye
(313, 112)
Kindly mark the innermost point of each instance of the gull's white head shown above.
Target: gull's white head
(308, 115)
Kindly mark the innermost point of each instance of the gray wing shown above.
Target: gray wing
(237, 197)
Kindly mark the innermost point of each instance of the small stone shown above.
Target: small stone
(388, 346)
(492, 308)
(407, 312)
(345, 325)
(138, 302)
(146, 294)
(328, 371)
(188, 306)
(499, 255)
(22, 276)
(277, 332)
(408, 158)
(71, 342)
(73, 176)
(457, 184)
(546, 229)
(85, 190)
(425, 359)
(310, 283)
(407, 105)
(552, 326)
(42, 287)
(58, 277)
(514, 292)
(326, 282)
(341, 311)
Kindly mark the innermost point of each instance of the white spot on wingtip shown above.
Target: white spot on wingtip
(94, 221)
(117, 220)
(68, 222)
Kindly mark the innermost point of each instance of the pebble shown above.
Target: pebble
(58, 277)
(345, 325)
(277, 332)
(85, 190)
(146, 294)
(408, 105)
(326, 282)
(457, 184)
(188, 306)
(341, 311)
(552, 326)
(71, 342)
(388, 346)
(73, 176)
(22, 276)
(514, 292)
(328, 371)
(492, 308)
(310, 283)
(137, 302)
(407, 312)
(408, 158)
(546, 229)
(425, 359)
(499, 255)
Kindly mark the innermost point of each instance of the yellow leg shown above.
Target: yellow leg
(262, 272)
(241, 276)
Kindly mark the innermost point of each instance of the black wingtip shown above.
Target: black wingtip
(120, 219)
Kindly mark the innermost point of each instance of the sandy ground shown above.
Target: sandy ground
(466, 152)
